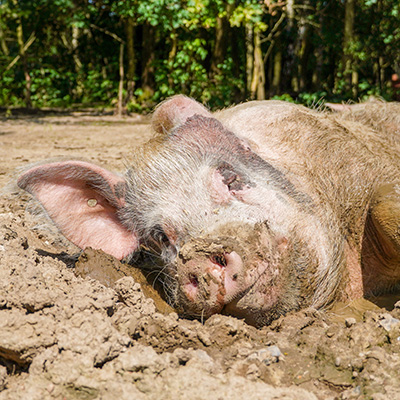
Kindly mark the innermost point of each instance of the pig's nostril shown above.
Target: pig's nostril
(191, 287)
(194, 281)
(219, 259)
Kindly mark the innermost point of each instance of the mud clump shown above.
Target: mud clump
(108, 270)
(64, 336)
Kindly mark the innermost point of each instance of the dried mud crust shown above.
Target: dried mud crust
(63, 336)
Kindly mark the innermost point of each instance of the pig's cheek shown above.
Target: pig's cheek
(219, 191)
(266, 288)
(245, 195)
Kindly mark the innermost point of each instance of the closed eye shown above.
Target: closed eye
(159, 238)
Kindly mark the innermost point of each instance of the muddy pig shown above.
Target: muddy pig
(383, 117)
(255, 211)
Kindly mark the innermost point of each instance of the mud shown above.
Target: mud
(69, 336)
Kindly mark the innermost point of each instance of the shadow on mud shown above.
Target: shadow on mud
(68, 259)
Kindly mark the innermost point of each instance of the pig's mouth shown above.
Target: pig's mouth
(260, 295)
(236, 270)
(222, 283)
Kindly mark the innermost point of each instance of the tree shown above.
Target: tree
(130, 54)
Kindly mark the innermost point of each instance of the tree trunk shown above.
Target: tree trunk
(172, 53)
(3, 43)
(290, 49)
(121, 80)
(249, 58)
(381, 72)
(221, 40)
(77, 61)
(277, 72)
(258, 81)
(304, 55)
(130, 53)
(72, 47)
(348, 34)
(148, 60)
(22, 53)
(354, 83)
(290, 13)
(219, 52)
(319, 59)
(238, 92)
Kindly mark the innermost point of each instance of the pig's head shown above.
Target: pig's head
(217, 214)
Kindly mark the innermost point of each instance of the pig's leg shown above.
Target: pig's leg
(381, 243)
(85, 202)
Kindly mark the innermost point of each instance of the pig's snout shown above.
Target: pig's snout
(209, 281)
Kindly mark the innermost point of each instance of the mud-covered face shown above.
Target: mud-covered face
(237, 270)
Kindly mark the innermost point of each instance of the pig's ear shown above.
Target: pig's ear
(83, 200)
(174, 112)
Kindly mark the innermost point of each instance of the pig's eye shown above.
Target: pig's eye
(158, 235)
(230, 178)
(161, 238)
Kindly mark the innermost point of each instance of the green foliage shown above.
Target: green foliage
(249, 12)
(283, 97)
(222, 89)
(97, 89)
(184, 72)
(10, 91)
(312, 99)
(49, 88)
(73, 56)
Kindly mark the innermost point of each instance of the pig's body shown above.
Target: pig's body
(327, 170)
(271, 208)
(340, 163)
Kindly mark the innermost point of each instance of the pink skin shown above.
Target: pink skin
(86, 214)
(221, 193)
(173, 113)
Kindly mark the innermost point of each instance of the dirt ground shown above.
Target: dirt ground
(67, 337)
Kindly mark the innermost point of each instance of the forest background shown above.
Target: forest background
(129, 55)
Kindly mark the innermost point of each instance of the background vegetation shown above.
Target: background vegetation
(131, 54)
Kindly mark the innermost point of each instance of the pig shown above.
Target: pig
(260, 209)
(383, 117)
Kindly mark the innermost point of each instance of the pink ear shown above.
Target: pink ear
(175, 111)
(83, 200)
